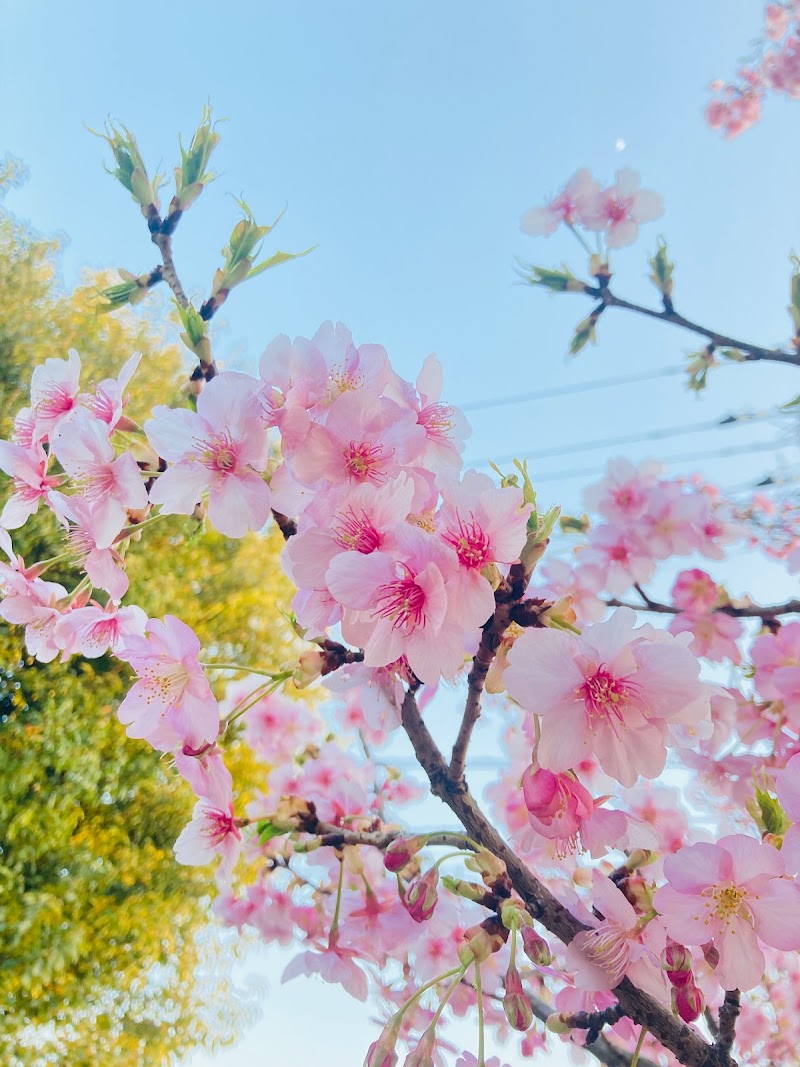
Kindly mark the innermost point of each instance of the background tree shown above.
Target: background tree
(101, 932)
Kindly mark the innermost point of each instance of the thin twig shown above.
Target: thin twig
(751, 352)
(728, 1014)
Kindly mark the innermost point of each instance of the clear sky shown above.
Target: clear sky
(407, 138)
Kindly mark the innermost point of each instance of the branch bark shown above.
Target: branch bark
(752, 352)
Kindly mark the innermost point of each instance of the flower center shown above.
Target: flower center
(218, 453)
(356, 532)
(618, 208)
(605, 697)
(727, 902)
(402, 601)
(217, 825)
(363, 461)
(166, 682)
(436, 420)
(101, 405)
(56, 400)
(609, 948)
(470, 542)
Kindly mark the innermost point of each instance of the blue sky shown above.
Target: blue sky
(407, 139)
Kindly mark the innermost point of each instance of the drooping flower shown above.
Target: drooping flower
(27, 467)
(93, 630)
(734, 894)
(212, 832)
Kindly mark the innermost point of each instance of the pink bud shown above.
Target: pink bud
(381, 1053)
(421, 896)
(401, 851)
(422, 1055)
(676, 957)
(536, 948)
(516, 1003)
(688, 1002)
(539, 788)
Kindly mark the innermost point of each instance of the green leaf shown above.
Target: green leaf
(662, 271)
(276, 260)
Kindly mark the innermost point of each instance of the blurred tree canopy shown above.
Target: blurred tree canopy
(102, 934)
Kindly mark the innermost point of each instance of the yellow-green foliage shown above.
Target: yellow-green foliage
(91, 900)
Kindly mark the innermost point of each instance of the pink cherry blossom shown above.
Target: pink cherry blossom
(336, 965)
(171, 702)
(212, 833)
(620, 943)
(613, 692)
(695, 592)
(713, 637)
(31, 483)
(573, 205)
(34, 604)
(87, 536)
(54, 392)
(733, 893)
(205, 771)
(108, 399)
(402, 607)
(220, 449)
(621, 555)
(619, 210)
(112, 484)
(93, 630)
(622, 496)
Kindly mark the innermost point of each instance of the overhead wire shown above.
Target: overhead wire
(763, 446)
(629, 439)
(569, 390)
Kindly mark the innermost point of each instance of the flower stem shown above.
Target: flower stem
(638, 1049)
(481, 1036)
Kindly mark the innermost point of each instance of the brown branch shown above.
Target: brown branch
(508, 597)
(686, 1044)
(747, 611)
(336, 837)
(752, 352)
(728, 1014)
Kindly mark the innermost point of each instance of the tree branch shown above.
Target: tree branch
(507, 598)
(752, 352)
(728, 1014)
(747, 611)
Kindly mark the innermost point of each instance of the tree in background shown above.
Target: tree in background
(101, 932)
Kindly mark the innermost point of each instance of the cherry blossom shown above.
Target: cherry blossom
(612, 692)
(733, 893)
(171, 702)
(211, 833)
(575, 204)
(220, 449)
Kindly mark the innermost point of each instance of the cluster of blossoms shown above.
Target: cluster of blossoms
(401, 560)
(615, 212)
(775, 68)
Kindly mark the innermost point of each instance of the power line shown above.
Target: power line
(568, 390)
(719, 453)
(629, 439)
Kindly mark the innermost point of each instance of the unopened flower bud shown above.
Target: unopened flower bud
(421, 897)
(516, 1003)
(536, 948)
(474, 891)
(382, 1053)
(487, 865)
(401, 851)
(422, 1055)
(675, 957)
(309, 668)
(688, 1002)
(514, 914)
(640, 857)
(482, 941)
